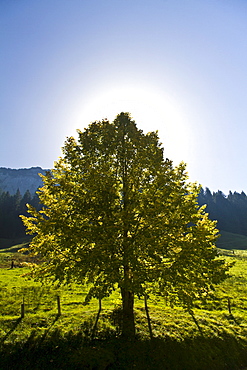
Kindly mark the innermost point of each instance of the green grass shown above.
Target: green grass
(214, 339)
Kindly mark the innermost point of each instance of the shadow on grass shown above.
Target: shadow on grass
(15, 324)
(46, 333)
(75, 351)
(230, 318)
(18, 321)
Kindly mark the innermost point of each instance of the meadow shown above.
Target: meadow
(215, 337)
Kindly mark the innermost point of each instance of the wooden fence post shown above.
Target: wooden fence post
(58, 306)
(22, 309)
(229, 305)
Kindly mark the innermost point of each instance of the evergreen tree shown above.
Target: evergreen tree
(11, 206)
(229, 211)
(5, 214)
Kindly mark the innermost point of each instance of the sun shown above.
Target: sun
(151, 109)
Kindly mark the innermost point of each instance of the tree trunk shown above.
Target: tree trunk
(128, 323)
(128, 326)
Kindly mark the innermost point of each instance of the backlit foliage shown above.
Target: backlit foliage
(118, 215)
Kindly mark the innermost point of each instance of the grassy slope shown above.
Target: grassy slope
(14, 244)
(216, 339)
(231, 241)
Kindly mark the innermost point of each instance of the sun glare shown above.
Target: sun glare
(151, 111)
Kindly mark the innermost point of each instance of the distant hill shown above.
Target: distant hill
(23, 179)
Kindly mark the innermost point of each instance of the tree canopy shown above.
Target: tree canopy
(117, 215)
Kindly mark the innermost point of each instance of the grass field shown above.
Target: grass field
(215, 338)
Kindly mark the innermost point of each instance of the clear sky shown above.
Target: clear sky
(178, 66)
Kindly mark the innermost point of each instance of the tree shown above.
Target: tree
(117, 215)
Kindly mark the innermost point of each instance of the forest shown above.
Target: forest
(11, 206)
(230, 211)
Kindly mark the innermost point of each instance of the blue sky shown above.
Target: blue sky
(178, 66)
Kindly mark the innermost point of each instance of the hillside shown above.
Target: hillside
(48, 336)
(230, 210)
(231, 241)
(23, 179)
